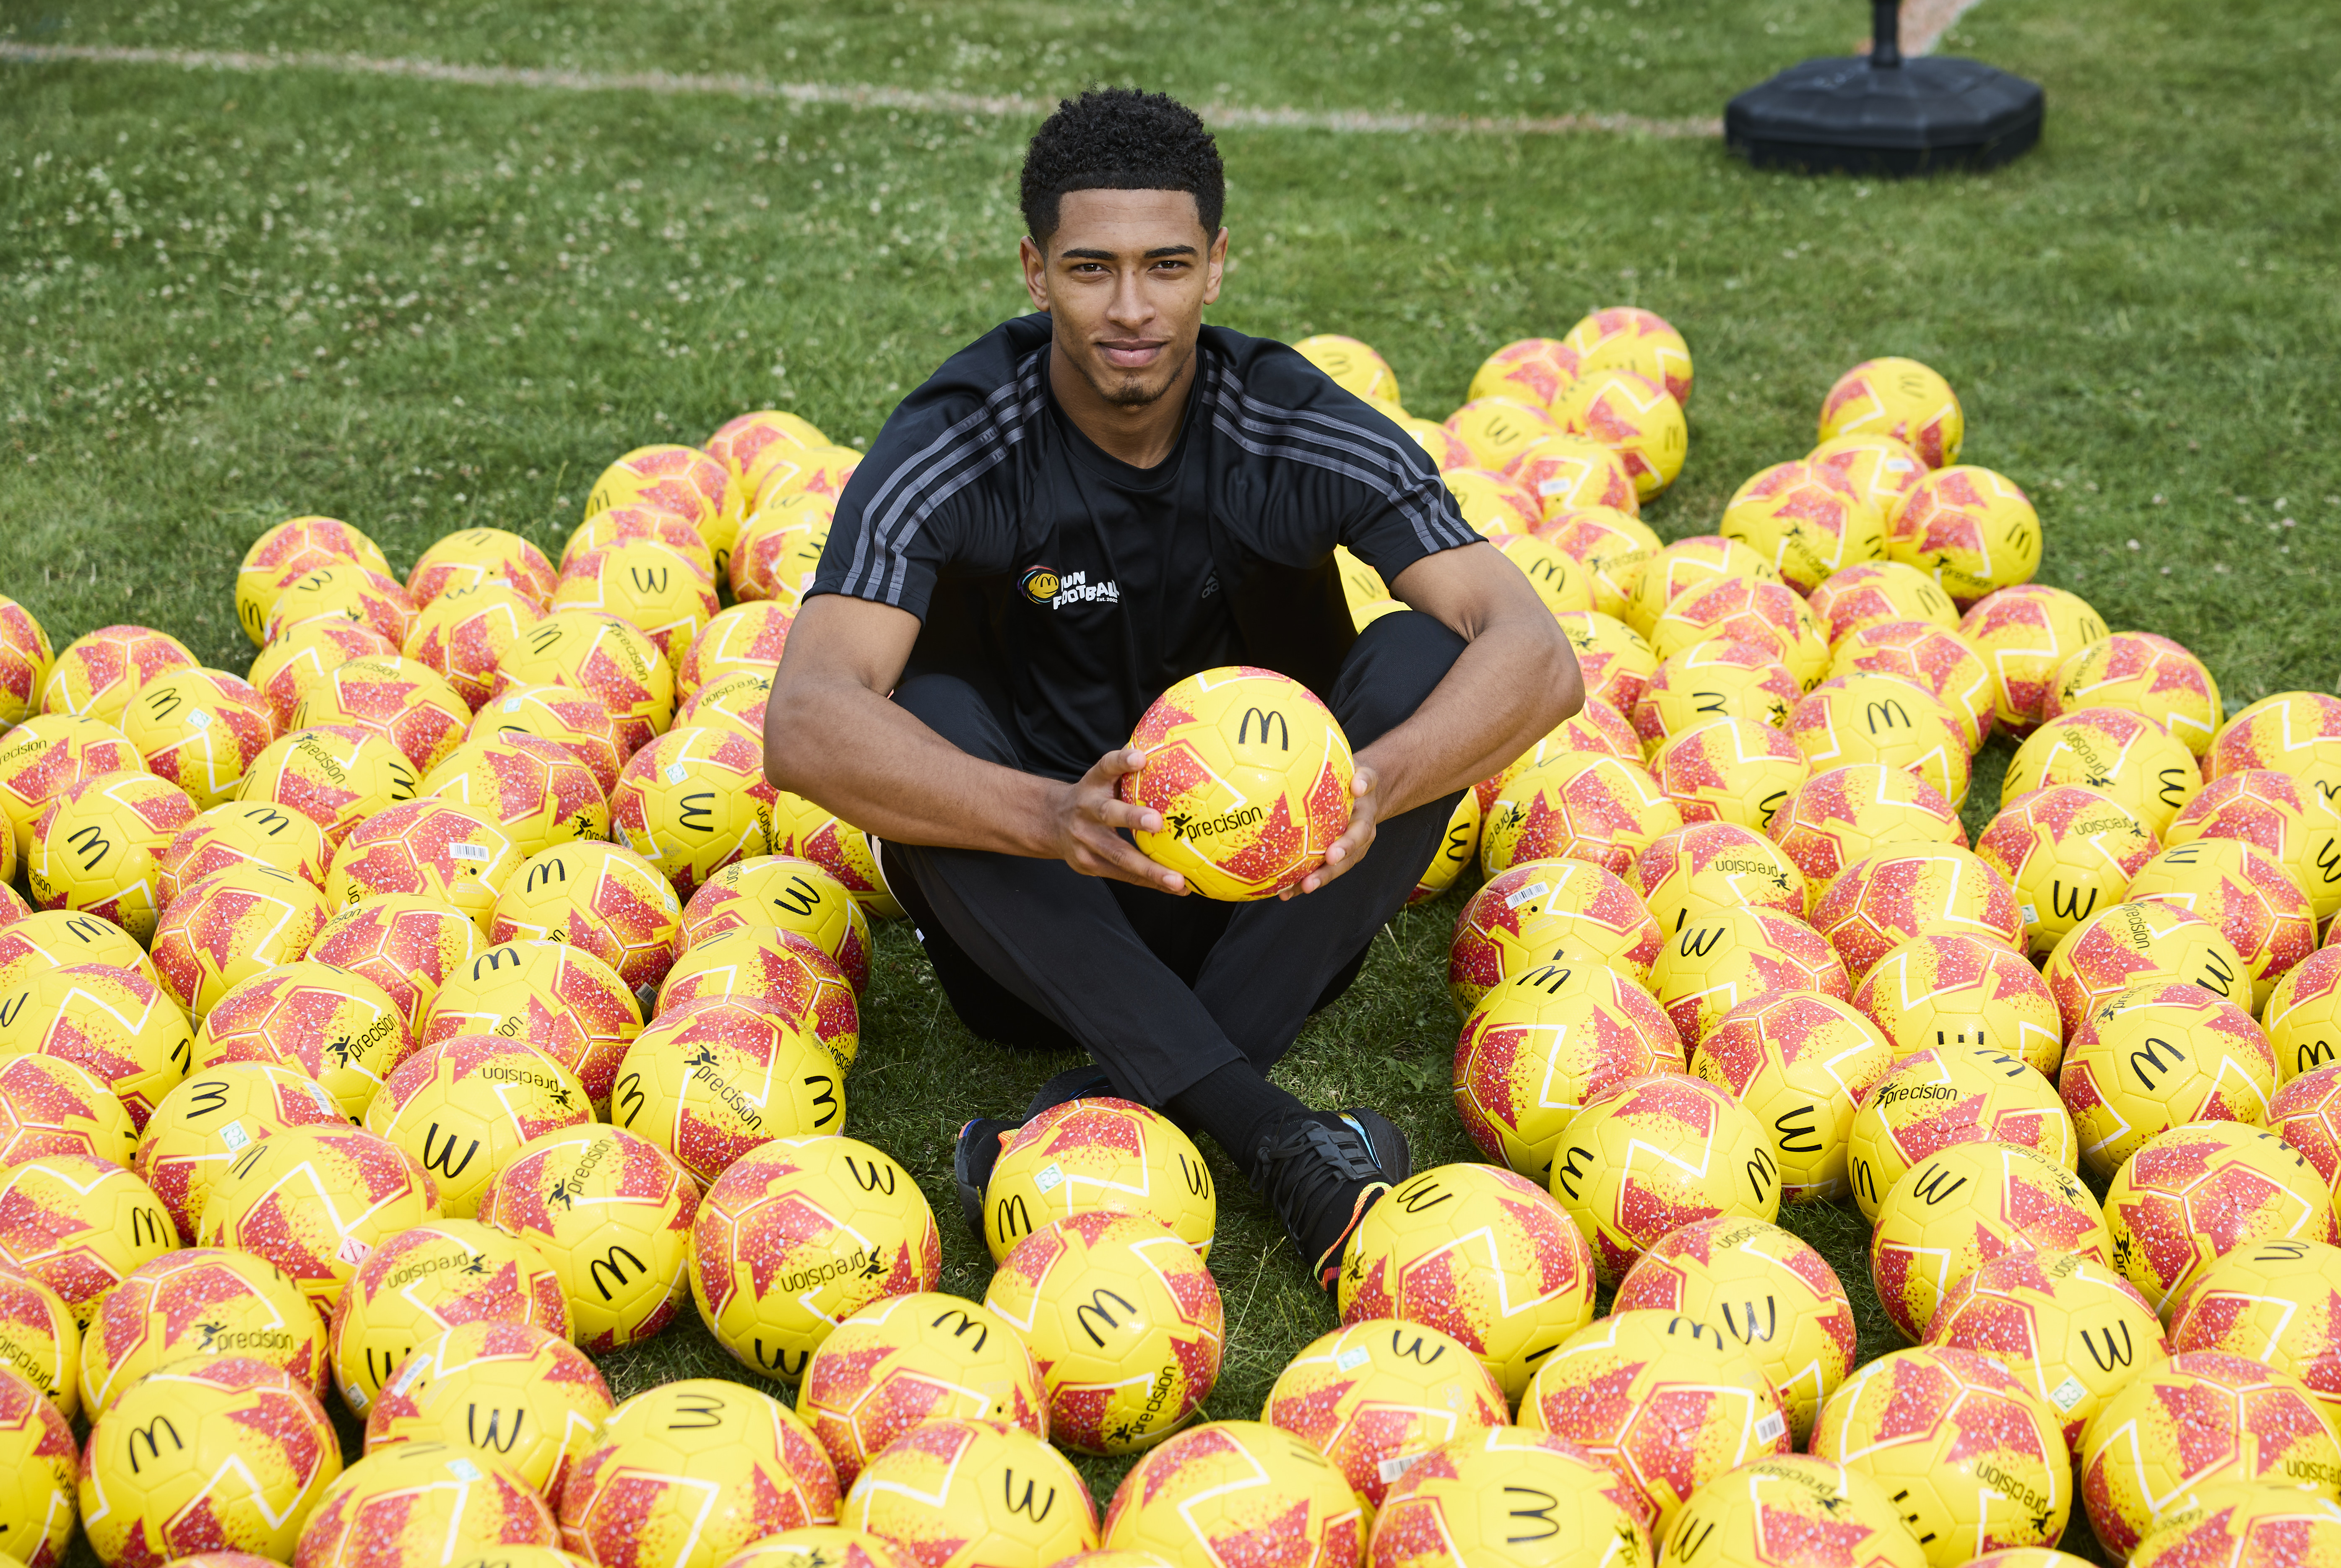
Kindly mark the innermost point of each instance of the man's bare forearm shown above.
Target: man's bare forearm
(880, 768)
(1508, 688)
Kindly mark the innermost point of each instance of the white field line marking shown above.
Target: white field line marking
(858, 96)
(1924, 23)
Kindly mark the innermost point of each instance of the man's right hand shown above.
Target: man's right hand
(1087, 811)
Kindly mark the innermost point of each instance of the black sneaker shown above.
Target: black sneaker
(1072, 1084)
(1321, 1171)
(980, 1140)
(971, 1162)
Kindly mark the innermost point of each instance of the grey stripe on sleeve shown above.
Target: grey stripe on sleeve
(1355, 452)
(963, 453)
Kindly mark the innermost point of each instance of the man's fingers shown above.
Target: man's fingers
(1109, 855)
(1100, 793)
(1117, 813)
(1341, 855)
(1110, 767)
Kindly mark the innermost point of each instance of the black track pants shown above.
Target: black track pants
(1161, 990)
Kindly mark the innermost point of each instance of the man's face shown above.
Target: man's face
(1126, 277)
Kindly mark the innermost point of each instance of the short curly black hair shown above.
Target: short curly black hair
(1121, 139)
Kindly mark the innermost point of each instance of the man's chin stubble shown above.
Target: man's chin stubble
(1136, 394)
(1129, 392)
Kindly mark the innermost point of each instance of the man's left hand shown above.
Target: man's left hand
(1365, 809)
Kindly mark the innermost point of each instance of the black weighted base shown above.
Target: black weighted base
(1918, 116)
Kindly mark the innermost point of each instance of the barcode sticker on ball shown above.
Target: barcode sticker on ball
(463, 1470)
(2031, 914)
(2066, 1394)
(1768, 1430)
(324, 1101)
(1350, 1360)
(675, 772)
(512, 704)
(1048, 1178)
(233, 1135)
(1533, 890)
(471, 852)
(410, 1372)
(200, 719)
(1397, 1465)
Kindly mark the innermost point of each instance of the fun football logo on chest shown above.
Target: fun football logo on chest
(1053, 589)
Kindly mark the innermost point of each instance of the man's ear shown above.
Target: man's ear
(1215, 264)
(1035, 262)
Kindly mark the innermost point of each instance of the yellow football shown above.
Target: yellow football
(2126, 943)
(1945, 1096)
(1971, 530)
(2199, 1419)
(1633, 416)
(1548, 910)
(1379, 1394)
(516, 1392)
(1882, 468)
(1735, 1518)
(1970, 1455)
(1900, 398)
(1801, 1063)
(1653, 1153)
(1482, 1255)
(1718, 959)
(1245, 812)
(1806, 521)
(2293, 821)
(2025, 633)
(801, 1233)
(288, 552)
(2297, 733)
(906, 1359)
(78, 1225)
(1876, 591)
(1849, 720)
(1685, 565)
(2068, 1327)
(1766, 1291)
(2066, 851)
(1098, 1153)
(1666, 1400)
(2190, 1195)
(1124, 1319)
(1965, 1204)
(1963, 991)
(2157, 1056)
(1539, 1046)
(1711, 680)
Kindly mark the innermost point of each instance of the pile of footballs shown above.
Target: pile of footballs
(426, 1014)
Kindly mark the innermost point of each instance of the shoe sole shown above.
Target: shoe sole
(1394, 1157)
(1329, 1262)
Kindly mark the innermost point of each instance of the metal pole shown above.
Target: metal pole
(1885, 35)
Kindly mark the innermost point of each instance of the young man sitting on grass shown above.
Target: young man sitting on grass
(1079, 508)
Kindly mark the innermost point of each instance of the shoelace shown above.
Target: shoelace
(1291, 1181)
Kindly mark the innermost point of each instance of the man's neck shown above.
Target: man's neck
(1140, 434)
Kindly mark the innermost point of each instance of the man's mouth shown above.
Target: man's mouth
(1131, 355)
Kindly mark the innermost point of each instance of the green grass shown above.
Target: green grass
(228, 298)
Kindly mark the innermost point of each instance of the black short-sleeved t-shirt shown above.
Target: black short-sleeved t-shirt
(1078, 587)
